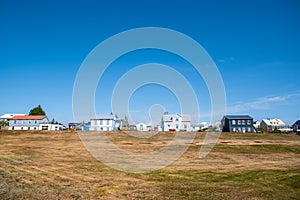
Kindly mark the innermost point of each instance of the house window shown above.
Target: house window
(249, 122)
(101, 122)
(249, 129)
(176, 126)
(35, 122)
(233, 122)
(176, 119)
(107, 122)
(233, 129)
(243, 122)
(239, 122)
(15, 121)
(171, 118)
(168, 125)
(185, 126)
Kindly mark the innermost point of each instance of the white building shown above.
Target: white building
(50, 127)
(143, 127)
(105, 123)
(272, 124)
(32, 122)
(176, 122)
(24, 122)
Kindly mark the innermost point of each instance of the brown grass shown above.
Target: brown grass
(55, 165)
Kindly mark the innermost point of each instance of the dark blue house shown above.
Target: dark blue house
(296, 127)
(237, 123)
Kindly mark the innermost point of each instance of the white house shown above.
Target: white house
(25, 122)
(272, 124)
(105, 123)
(143, 127)
(176, 122)
(50, 127)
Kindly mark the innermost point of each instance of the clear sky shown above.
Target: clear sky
(255, 45)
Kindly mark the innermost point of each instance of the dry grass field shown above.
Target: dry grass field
(55, 165)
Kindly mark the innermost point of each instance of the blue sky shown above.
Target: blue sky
(255, 45)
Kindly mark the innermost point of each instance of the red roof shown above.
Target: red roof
(28, 117)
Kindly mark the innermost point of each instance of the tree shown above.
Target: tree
(3, 123)
(37, 111)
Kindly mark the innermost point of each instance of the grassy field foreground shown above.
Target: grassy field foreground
(55, 165)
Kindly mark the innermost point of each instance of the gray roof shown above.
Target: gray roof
(238, 117)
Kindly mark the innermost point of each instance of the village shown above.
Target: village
(169, 123)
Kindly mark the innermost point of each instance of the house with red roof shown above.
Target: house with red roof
(27, 122)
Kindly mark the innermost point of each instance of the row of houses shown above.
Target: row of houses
(244, 123)
(169, 122)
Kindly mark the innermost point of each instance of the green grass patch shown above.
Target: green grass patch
(99, 191)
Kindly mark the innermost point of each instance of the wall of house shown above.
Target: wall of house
(237, 125)
(241, 125)
(25, 124)
(225, 125)
(102, 125)
(141, 127)
(50, 127)
(174, 122)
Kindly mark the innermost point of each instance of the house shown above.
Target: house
(86, 126)
(176, 122)
(270, 125)
(25, 122)
(296, 127)
(131, 127)
(199, 126)
(75, 126)
(7, 117)
(105, 123)
(143, 127)
(50, 127)
(237, 123)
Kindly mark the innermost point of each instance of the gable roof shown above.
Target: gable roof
(273, 122)
(296, 123)
(28, 117)
(238, 117)
(184, 117)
